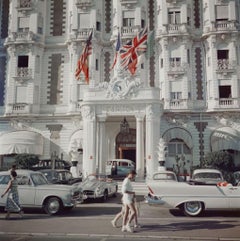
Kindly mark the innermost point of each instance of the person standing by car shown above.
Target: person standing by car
(128, 202)
(12, 203)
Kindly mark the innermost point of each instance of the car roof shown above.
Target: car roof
(19, 171)
(210, 170)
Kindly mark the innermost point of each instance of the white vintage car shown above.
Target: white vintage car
(192, 199)
(35, 192)
(97, 186)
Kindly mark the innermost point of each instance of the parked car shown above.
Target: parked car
(60, 176)
(206, 177)
(193, 199)
(36, 192)
(119, 167)
(49, 164)
(99, 187)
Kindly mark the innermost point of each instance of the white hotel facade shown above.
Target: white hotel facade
(187, 93)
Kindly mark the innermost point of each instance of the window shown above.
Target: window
(128, 19)
(97, 65)
(23, 24)
(21, 96)
(177, 147)
(225, 91)
(175, 62)
(174, 17)
(221, 13)
(128, 22)
(84, 20)
(176, 95)
(222, 54)
(98, 26)
(23, 61)
(223, 59)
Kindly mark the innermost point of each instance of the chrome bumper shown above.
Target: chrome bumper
(153, 200)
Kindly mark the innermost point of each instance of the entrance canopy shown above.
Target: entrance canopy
(178, 133)
(19, 142)
(225, 138)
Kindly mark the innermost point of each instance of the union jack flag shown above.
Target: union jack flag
(82, 64)
(116, 51)
(130, 52)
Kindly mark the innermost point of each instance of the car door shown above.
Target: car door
(26, 191)
(233, 194)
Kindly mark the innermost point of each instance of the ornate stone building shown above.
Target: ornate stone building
(187, 92)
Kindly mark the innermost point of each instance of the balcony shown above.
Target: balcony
(173, 30)
(224, 66)
(129, 32)
(22, 37)
(176, 68)
(84, 4)
(23, 74)
(221, 27)
(24, 5)
(224, 104)
(80, 34)
(18, 108)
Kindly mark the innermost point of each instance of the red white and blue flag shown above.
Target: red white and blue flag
(116, 51)
(82, 64)
(130, 52)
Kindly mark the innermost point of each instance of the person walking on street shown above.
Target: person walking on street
(12, 202)
(130, 211)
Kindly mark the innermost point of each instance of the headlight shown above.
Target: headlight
(98, 190)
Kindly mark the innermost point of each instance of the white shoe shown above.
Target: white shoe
(124, 229)
(129, 229)
(137, 226)
(113, 224)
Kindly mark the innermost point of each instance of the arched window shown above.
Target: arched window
(177, 147)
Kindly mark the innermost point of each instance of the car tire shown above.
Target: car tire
(52, 205)
(193, 208)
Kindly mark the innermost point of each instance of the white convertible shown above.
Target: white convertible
(192, 199)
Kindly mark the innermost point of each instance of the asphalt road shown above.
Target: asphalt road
(91, 221)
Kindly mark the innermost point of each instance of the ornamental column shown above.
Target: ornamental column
(140, 147)
(152, 137)
(89, 140)
(102, 158)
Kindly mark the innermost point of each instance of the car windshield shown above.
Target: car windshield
(39, 179)
(164, 176)
(4, 179)
(207, 175)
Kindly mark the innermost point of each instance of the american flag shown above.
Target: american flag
(116, 51)
(130, 52)
(82, 64)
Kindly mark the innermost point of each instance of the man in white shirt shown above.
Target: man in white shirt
(128, 201)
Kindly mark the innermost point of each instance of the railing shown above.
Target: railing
(81, 34)
(24, 72)
(176, 68)
(130, 31)
(226, 102)
(221, 26)
(22, 36)
(24, 4)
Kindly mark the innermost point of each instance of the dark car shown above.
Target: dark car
(60, 176)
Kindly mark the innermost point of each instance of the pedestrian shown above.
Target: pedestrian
(130, 211)
(12, 202)
(121, 215)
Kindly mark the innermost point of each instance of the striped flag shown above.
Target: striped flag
(130, 52)
(82, 64)
(116, 51)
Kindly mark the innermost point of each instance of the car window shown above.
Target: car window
(208, 175)
(23, 180)
(4, 179)
(39, 179)
(164, 176)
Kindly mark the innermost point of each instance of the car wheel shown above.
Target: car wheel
(105, 196)
(52, 205)
(193, 208)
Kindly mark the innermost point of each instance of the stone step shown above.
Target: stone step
(140, 187)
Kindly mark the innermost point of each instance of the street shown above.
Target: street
(91, 221)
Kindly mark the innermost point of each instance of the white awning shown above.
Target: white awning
(19, 142)
(178, 133)
(225, 138)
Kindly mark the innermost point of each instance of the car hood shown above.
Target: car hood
(89, 185)
(56, 187)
